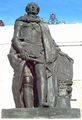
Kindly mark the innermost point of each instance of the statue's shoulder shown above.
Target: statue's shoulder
(20, 20)
(44, 25)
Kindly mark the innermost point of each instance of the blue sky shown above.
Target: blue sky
(66, 10)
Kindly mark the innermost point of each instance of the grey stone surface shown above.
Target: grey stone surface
(40, 113)
(42, 72)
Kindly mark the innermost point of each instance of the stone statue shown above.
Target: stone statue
(42, 72)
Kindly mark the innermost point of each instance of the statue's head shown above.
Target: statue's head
(32, 8)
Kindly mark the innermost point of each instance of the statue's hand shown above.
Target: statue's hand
(23, 55)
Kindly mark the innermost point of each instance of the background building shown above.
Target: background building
(1, 23)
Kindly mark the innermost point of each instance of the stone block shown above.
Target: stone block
(40, 113)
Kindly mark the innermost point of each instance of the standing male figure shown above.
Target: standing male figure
(34, 53)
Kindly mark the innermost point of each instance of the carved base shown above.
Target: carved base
(40, 113)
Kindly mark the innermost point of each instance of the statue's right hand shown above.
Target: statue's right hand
(23, 55)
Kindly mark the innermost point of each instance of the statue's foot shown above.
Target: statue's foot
(44, 104)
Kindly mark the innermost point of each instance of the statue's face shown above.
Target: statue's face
(32, 9)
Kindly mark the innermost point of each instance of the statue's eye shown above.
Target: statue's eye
(33, 8)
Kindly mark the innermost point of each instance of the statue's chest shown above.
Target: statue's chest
(31, 31)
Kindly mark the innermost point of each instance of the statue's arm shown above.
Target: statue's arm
(16, 41)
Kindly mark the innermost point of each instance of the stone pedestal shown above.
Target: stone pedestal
(40, 113)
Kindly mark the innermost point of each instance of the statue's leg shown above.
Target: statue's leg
(41, 83)
(28, 96)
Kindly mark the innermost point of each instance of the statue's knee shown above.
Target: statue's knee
(28, 78)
